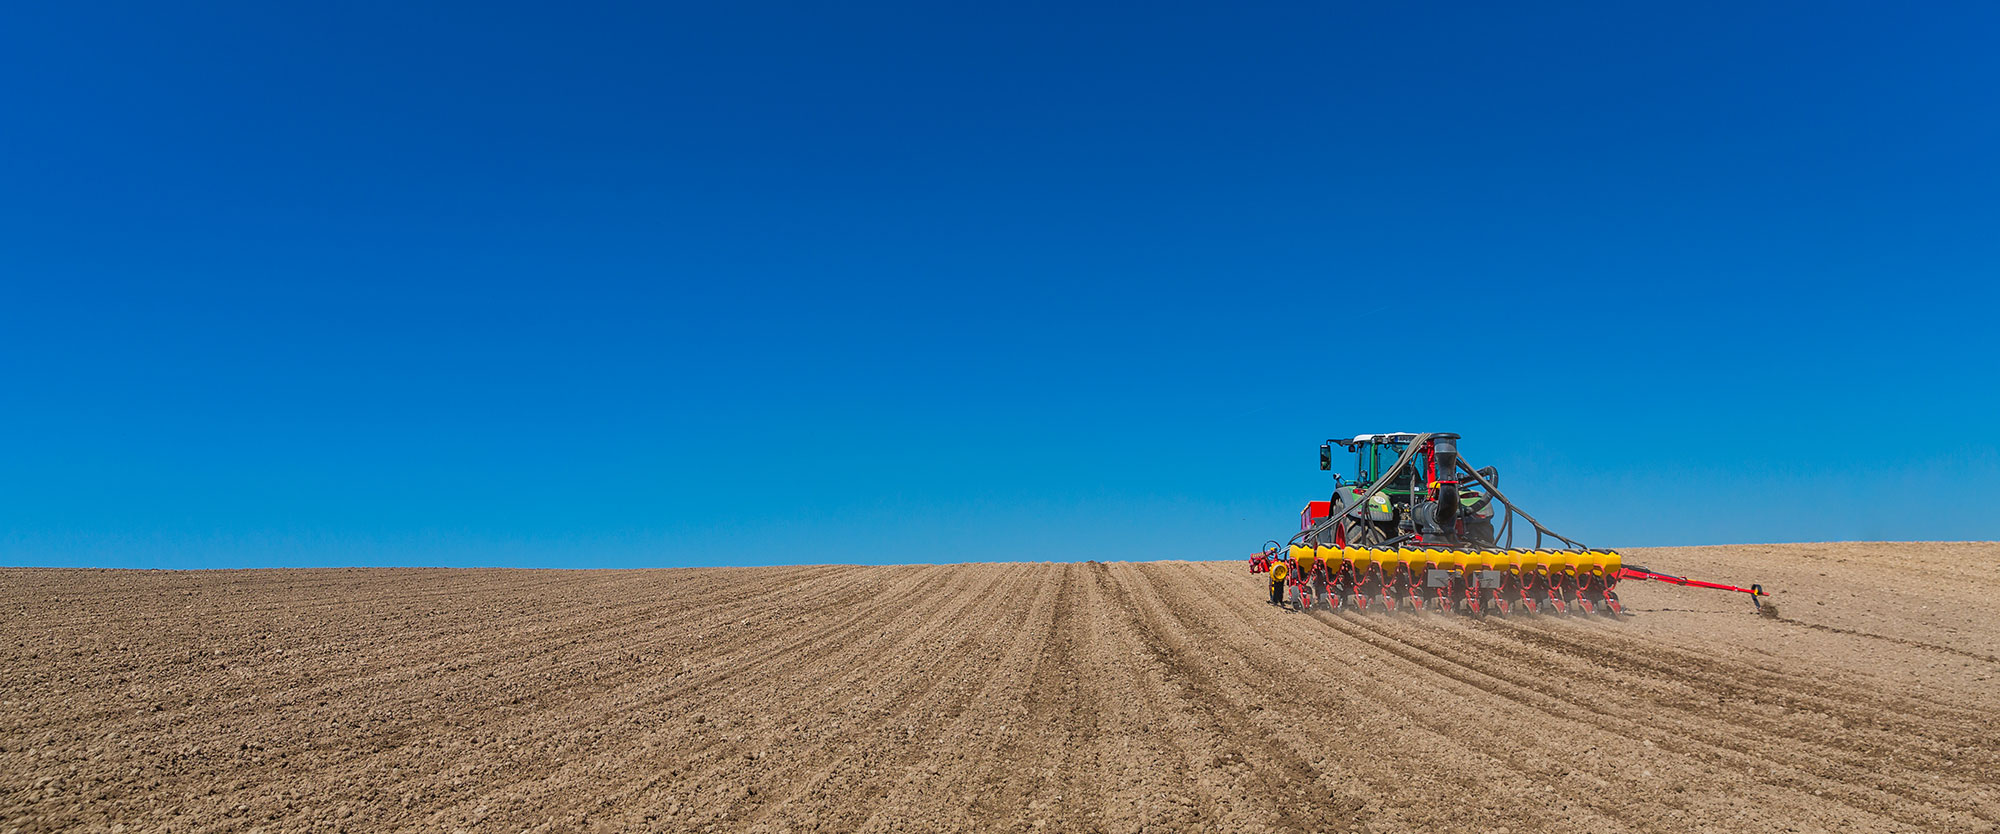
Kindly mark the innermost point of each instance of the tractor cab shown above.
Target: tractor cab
(1375, 455)
(1376, 458)
(1423, 501)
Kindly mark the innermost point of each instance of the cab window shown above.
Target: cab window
(1376, 458)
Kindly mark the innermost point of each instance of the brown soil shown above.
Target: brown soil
(1116, 697)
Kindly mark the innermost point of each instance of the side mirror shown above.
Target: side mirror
(1325, 457)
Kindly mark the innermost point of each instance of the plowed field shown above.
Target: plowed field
(1118, 697)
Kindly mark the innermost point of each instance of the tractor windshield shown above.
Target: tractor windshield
(1376, 458)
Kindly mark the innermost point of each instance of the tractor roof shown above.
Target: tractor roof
(1390, 437)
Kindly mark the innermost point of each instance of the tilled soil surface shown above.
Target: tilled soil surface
(1117, 697)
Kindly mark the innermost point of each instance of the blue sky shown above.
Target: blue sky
(677, 284)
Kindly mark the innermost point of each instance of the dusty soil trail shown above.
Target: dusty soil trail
(1117, 697)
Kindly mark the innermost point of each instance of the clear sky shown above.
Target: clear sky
(678, 283)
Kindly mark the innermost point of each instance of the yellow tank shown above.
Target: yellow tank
(1583, 561)
(1363, 557)
(1386, 558)
(1450, 560)
(1500, 560)
(1560, 562)
(1485, 560)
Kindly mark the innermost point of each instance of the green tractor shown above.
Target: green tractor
(1420, 500)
